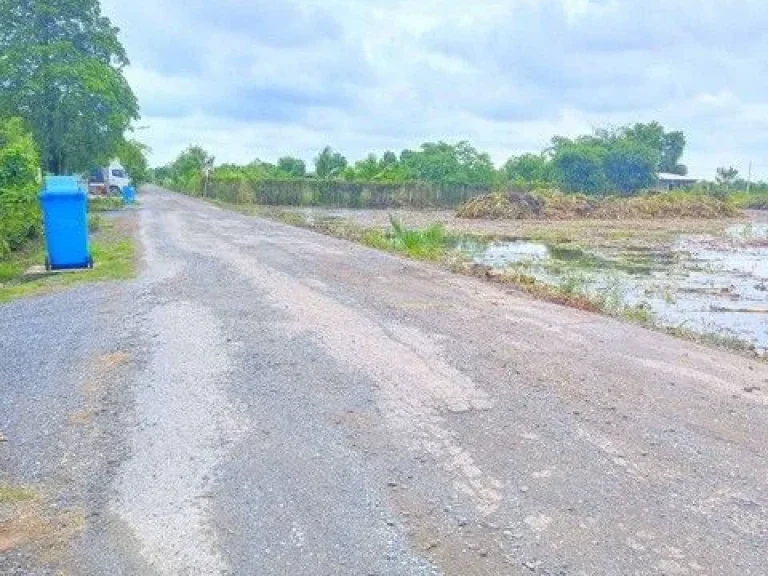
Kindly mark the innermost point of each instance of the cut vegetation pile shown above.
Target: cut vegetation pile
(558, 206)
(753, 201)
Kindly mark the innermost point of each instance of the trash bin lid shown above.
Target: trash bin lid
(61, 186)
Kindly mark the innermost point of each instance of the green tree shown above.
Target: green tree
(367, 169)
(61, 70)
(673, 146)
(162, 175)
(329, 164)
(726, 176)
(528, 168)
(190, 167)
(440, 162)
(579, 168)
(293, 167)
(669, 145)
(133, 157)
(629, 166)
(388, 159)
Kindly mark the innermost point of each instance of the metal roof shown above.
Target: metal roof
(677, 177)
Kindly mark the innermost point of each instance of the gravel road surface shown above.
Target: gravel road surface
(265, 400)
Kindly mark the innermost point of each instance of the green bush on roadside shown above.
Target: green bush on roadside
(20, 218)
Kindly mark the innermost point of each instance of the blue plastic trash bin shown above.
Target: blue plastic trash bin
(129, 194)
(65, 220)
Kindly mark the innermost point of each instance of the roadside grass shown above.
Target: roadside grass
(10, 494)
(732, 343)
(105, 204)
(429, 243)
(112, 248)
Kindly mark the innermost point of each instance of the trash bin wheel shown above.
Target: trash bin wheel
(90, 262)
(47, 264)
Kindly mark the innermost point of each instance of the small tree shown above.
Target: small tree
(329, 164)
(293, 167)
(191, 167)
(726, 176)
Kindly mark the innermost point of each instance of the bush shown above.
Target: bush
(20, 218)
(746, 201)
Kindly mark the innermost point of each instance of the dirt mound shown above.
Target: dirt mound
(559, 206)
(497, 206)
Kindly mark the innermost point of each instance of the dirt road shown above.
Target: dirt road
(264, 400)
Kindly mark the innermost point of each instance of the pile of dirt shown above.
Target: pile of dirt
(559, 206)
(497, 206)
(664, 206)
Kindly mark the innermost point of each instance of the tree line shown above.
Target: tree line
(623, 160)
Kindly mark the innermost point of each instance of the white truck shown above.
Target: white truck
(108, 181)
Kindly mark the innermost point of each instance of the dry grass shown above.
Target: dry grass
(558, 206)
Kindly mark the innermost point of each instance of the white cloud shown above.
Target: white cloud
(262, 78)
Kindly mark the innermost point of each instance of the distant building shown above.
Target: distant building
(668, 182)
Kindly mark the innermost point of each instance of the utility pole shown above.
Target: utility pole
(749, 177)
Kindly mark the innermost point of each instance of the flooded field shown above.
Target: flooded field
(701, 283)
(707, 277)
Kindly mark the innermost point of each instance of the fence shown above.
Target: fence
(334, 193)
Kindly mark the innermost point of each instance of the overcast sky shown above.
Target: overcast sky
(265, 78)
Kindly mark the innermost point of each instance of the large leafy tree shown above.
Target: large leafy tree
(668, 145)
(61, 70)
(579, 167)
(630, 166)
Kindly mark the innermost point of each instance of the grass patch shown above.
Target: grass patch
(112, 248)
(105, 204)
(95, 223)
(758, 201)
(13, 494)
(426, 244)
(732, 343)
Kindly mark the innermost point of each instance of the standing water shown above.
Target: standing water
(704, 284)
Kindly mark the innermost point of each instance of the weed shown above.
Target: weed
(640, 314)
(426, 244)
(105, 204)
(95, 222)
(291, 218)
(12, 494)
(718, 340)
(572, 284)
